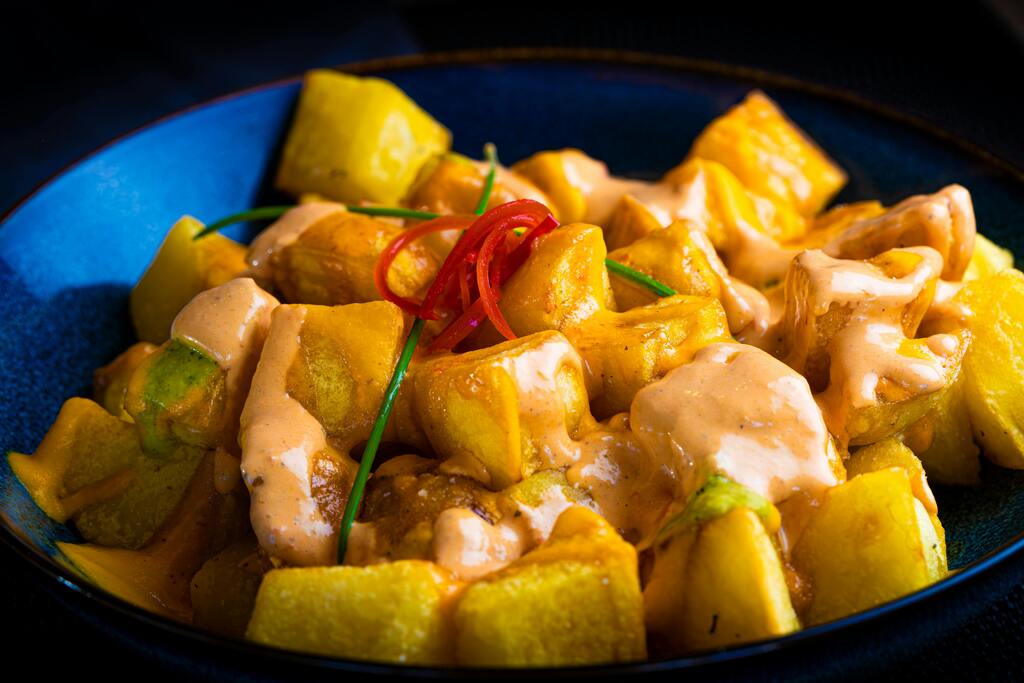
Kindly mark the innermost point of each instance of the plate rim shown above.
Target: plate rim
(67, 582)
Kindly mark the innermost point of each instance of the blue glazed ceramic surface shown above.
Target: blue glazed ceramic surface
(70, 253)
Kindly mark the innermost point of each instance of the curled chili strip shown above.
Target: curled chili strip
(395, 247)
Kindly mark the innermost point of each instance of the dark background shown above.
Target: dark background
(74, 77)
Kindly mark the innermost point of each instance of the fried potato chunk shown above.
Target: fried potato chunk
(355, 139)
(453, 184)
(771, 155)
(223, 591)
(182, 268)
(190, 392)
(988, 259)
(332, 261)
(943, 440)
(994, 366)
(90, 468)
(943, 221)
(315, 395)
(574, 600)
(505, 411)
(392, 612)
(625, 352)
(871, 541)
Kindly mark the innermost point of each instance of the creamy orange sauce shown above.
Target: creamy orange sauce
(943, 221)
(471, 547)
(285, 231)
(280, 440)
(867, 355)
(738, 411)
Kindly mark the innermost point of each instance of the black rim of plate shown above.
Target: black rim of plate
(69, 584)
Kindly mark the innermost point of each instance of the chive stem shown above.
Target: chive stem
(624, 271)
(491, 154)
(376, 434)
(262, 213)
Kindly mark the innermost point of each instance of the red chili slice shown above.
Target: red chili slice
(390, 253)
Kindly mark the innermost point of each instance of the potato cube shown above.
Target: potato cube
(562, 283)
(512, 408)
(177, 397)
(551, 171)
(988, 259)
(393, 612)
(182, 268)
(356, 139)
(947, 449)
(871, 541)
(717, 578)
(735, 588)
(771, 155)
(624, 352)
(110, 383)
(891, 453)
(223, 591)
(89, 468)
(671, 257)
(994, 366)
(332, 262)
(574, 600)
(452, 184)
(943, 221)
(345, 360)
(156, 577)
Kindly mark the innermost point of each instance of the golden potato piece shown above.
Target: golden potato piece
(345, 360)
(943, 221)
(110, 383)
(223, 591)
(994, 366)
(671, 257)
(332, 262)
(574, 600)
(551, 172)
(355, 139)
(988, 259)
(870, 542)
(624, 352)
(943, 441)
(90, 468)
(393, 612)
(562, 283)
(453, 184)
(182, 268)
(156, 577)
(891, 453)
(771, 155)
(735, 590)
(511, 409)
(833, 222)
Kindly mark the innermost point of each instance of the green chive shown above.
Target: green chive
(370, 451)
(636, 276)
(491, 154)
(355, 497)
(263, 213)
(270, 212)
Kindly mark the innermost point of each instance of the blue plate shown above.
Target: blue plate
(70, 252)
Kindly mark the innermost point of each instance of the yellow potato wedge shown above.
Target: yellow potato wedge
(357, 139)
(988, 259)
(182, 268)
(771, 155)
(574, 600)
(994, 366)
(393, 612)
(871, 541)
